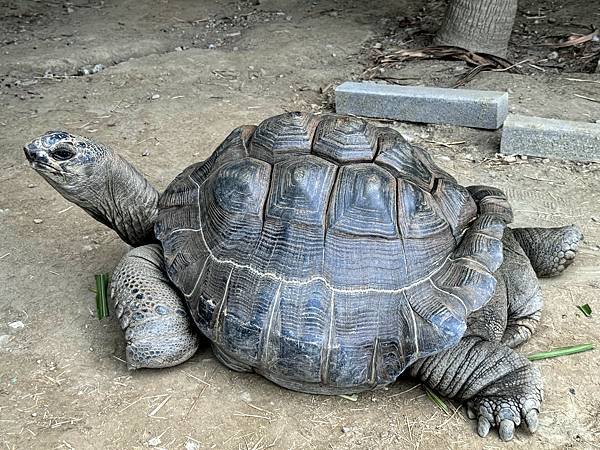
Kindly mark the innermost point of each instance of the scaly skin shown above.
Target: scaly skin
(550, 250)
(158, 329)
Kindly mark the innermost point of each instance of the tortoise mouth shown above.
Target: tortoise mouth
(41, 166)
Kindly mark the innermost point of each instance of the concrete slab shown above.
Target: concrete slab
(551, 138)
(464, 107)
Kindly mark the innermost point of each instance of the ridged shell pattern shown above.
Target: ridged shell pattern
(326, 253)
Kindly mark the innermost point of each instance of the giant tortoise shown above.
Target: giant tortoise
(326, 254)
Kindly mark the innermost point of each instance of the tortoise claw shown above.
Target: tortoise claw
(483, 426)
(506, 430)
(532, 421)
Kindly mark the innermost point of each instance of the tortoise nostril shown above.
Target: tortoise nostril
(34, 153)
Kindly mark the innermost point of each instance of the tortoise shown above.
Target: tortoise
(328, 255)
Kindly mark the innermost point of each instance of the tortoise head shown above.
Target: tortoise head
(98, 180)
(72, 164)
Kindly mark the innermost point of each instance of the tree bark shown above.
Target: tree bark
(478, 25)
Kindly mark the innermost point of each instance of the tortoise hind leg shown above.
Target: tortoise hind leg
(523, 292)
(157, 326)
(550, 250)
(501, 387)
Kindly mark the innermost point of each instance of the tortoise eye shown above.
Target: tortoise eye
(62, 154)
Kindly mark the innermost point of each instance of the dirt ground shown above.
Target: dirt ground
(178, 77)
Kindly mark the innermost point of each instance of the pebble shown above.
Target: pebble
(31, 185)
(154, 442)
(38, 221)
(346, 429)
(90, 71)
(155, 97)
(16, 325)
(4, 339)
(192, 445)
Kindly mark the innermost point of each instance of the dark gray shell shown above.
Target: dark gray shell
(326, 253)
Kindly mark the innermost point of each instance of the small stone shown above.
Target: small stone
(146, 152)
(31, 185)
(572, 391)
(155, 97)
(377, 45)
(16, 325)
(37, 221)
(552, 55)
(154, 442)
(192, 445)
(4, 339)
(346, 429)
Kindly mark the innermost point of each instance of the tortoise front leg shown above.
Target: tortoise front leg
(501, 387)
(158, 329)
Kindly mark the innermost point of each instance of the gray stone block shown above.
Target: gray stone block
(550, 138)
(464, 107)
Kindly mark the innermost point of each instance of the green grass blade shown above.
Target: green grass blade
(585, 309)
(562, 351)
(101, 295)
(437, 401)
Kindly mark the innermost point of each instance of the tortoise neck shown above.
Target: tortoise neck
(128, 203)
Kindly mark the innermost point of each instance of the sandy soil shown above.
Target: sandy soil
(179, 75)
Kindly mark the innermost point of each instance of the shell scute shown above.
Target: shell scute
(345, 140)
(364, 202)
(283, 136)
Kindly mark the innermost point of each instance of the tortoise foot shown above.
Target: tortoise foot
(550, 250)
(507, 409)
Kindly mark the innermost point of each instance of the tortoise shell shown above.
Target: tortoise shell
(326, 253)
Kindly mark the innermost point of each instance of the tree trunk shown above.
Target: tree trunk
(478, 25)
